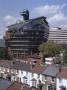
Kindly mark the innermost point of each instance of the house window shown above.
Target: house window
(1, 75)
(62, 88)
(3, 69)
(13, 77)
(52, 78)
(26, 73)
(7, 69)
(38, 75)
(32, 75)
(34, 83)
(16, 71)
(0, 68)
(21, 72)
(49, 87)
(11, 70)
(25, 80)
(39, 81)
(60, 80)
(45, 77)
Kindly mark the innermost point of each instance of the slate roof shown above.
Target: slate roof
(29, 24)
(18, 86)
(51, 71)
(15, 65)
(62, 73)
(14, 86)
(38, 69)
(8, 85)
(22, 66)
(4, 84)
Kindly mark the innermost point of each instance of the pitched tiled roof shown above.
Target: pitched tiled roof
(4, 84)
(14, 86)
(51, 71)
(38, 69)
(22, 66)
(15, 65)
(19, 86)
(5, 63)
(63, 72)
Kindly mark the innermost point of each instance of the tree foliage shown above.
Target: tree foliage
(65, 54)
(3, 54)
(50, 48)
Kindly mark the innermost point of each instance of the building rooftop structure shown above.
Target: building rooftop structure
(23, 38)
(15, 86)
(4, 84)
(62, 73)
(51, 70)
(19, 86)
(22, 66)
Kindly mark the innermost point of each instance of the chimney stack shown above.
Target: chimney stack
(60, 68)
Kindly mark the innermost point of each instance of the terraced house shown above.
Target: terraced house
(48, 77)
(23, 72)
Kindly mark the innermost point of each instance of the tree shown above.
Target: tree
(50, 48)
(3, 53)
(52, 87)
(65, 55)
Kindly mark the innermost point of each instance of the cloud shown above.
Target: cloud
(47, 10)
(54, 14)
(9, 19)
(59, 17)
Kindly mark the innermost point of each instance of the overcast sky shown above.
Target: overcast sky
(54, 10)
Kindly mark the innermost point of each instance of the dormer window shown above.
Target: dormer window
(52, 78)
(62, 88)
(25, 80)
(21, 72)
(38, 75)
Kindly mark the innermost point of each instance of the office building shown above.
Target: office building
(58, 35)
(23, 38)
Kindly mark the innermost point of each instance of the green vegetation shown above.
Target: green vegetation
(65, 55)
(52, 87)
(3, 54)
(50, 49)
